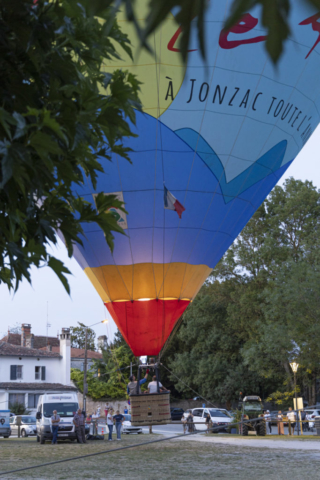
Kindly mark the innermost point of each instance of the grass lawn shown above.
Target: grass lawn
(168, 460)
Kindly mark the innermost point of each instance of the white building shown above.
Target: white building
(27, 372)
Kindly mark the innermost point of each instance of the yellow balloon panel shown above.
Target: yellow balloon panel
(161, 72)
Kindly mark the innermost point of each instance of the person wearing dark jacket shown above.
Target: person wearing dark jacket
(79, 422)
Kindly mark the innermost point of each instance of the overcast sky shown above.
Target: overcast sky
(29, 304)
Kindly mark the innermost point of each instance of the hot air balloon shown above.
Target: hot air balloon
(212, 141)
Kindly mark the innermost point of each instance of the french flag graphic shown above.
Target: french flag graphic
(171, 203)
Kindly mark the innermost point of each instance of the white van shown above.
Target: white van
(66, 405)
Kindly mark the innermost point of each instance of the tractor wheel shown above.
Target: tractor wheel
(244, 430)
(262, 429)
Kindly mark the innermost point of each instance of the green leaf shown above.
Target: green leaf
(59, 269)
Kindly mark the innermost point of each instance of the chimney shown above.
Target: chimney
(30, 340)
(49, 348)
(25, 330)
(65, 352)
(102, 343)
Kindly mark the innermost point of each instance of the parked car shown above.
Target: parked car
(176, 413)
(219, 417)
(5, 430)
(127, 427)
(311, 415)
(28, 426)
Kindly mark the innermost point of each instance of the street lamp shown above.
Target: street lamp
(85, 386)
(295, 367)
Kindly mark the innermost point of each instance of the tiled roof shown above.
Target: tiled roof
(79, 353)
(36, 386)
(39, 341)
(6, 349)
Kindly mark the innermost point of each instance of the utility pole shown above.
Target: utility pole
(295, 394)
(295, 366)
(85, 385)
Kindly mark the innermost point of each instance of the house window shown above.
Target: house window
(15, 398)
(33, 400)
(15, 372)
(40, 373)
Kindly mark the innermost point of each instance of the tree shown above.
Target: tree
(108, 378)
(275, 264)
(19, 408)
(78, 335)
(260, 309)
(60, 119)
(211, 362)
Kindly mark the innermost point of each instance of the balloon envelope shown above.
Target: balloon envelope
(218, 136)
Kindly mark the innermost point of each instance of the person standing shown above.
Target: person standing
(184, 424)
(153, 386)
(208, 422)
(79, 422)
(110, 424)
(189, 421)
(55, 420)
(292, 418)
(119, 419)
(267, 417)
(303, 420)
(280, 423)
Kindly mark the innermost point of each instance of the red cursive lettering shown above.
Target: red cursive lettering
(315, 27)
(171, 44)
(245, 24)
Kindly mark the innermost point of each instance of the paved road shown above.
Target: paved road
(177, 429)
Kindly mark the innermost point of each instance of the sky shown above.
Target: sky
(30, 303)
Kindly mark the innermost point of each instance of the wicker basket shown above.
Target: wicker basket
(150, 409)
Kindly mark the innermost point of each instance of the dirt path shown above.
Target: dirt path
(275, 443)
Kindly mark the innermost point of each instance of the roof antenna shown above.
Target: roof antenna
(48, 324)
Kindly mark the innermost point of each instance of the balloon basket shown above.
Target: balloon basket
(150, 409)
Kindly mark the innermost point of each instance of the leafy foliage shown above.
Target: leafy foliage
(96, 389)
(78, 335)
(19, 408)
(112, 369)
(282, 399)
(61, 117)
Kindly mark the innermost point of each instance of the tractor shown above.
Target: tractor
(251, 411)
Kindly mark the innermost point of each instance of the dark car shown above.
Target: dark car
(176, 413)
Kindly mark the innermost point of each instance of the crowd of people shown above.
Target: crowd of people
(291, 418)
(80, 421)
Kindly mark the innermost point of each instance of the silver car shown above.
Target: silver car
(127, 427)
(28, 425)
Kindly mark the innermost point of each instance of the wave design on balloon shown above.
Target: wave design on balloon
(268, 163)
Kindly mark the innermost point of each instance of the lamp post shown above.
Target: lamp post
(85, 386)
(295, 367)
